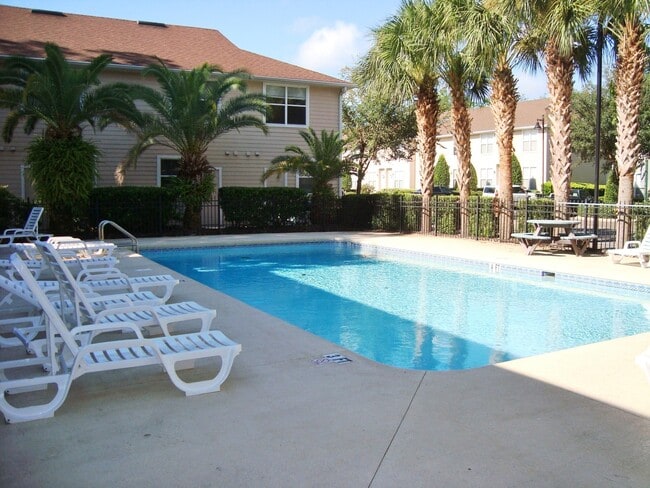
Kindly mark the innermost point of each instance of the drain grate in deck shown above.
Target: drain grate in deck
(332, 358)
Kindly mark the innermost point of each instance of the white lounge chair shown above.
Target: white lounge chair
(77, 259)
(30, 229)
(112, 279)
(69, 356)
(143, 315)
(20, 307)
(634, 249)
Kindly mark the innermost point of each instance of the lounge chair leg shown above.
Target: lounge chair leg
(14, 414)
(200, 387)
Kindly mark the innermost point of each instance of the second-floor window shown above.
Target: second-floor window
(287, 105)
(487, 143)
(529, 139)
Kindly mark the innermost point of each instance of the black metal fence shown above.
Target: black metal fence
(396, 213)
(486, 219)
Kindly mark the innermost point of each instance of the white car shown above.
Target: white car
(518, 193)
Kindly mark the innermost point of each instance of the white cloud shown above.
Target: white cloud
(331, 48)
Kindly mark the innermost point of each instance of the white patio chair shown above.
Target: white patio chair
(30, 229)
(70, 356)
(634, 249)
(143, 315)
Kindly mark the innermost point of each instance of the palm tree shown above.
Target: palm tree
(627, 23)
(321, 161)
(65, 99)
(191, 109)
(403, 65)
(494, 40)
(466, 83)
(561, 31)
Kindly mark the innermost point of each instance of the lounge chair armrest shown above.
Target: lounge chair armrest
(125, 309)
(97, 274)
(110, 303)
(105, 328)
(631, 244)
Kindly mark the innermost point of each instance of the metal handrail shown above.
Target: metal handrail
(134, 240)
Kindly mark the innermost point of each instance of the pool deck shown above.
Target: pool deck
(573, 418)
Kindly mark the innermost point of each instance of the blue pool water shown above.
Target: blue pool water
(413, 311)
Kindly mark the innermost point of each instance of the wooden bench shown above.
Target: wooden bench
(579, 242)
(530, 241)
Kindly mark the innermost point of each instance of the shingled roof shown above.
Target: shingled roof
(24, 32)
(526, 115)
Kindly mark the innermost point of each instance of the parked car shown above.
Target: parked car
(518, 193)
(580, 195)
(442, 190)
(489, 191)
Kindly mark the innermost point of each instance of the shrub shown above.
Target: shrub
(13, 211)
(263, 208)
(141, 210)
(441, 172)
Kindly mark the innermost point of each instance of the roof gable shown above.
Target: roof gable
(24, 32)
(526, 115)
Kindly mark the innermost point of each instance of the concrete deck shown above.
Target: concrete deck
(578, 418)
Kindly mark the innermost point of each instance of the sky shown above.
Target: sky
(322, 35)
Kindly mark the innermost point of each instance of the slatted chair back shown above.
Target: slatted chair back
(69, 289)
(54, 325)
(31, 224)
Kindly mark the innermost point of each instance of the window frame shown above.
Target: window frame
(159, 160)
(287, 105)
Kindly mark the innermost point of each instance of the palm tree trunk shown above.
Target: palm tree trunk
(504, 106)
(462, 134)
(427, 110)
(632, 59)
(559, 72)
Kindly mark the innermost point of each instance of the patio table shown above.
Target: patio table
(547, 231)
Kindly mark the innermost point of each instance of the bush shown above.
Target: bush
(141, 210)
(441, 172)
(13, 211)
(263, 208)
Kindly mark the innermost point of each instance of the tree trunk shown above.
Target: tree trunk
(504, 106)
(559, 72)
(462, 135)
(427, 109)
(632, 59)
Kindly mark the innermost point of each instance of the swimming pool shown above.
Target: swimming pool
(413, 310)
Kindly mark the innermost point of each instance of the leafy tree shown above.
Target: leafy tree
(321, 160)
(473, 180)
(611, 188)
(441, 172)
(517, 176)
(583, 125)
(190, 110)
(65, 99)
(371, 124)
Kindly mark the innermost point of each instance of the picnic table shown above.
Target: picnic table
(547, 232)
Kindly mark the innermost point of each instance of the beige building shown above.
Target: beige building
(530, 144)
(300, 98)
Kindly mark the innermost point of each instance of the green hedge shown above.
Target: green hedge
(141, 210)
(263, 208)
(13, 210)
